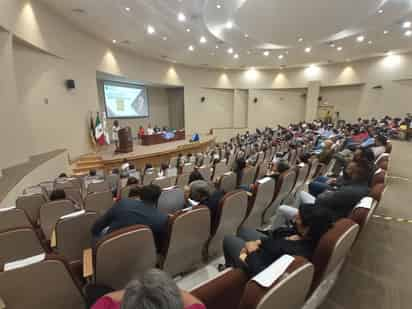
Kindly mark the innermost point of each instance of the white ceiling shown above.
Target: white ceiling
(258, 26)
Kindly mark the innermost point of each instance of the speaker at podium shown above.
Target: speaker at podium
(125, 140)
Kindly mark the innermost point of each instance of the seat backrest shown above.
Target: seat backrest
(113, 180)
(188, 233)
(31, 205)
(229, 216)
(223, 291)
(330, 167)
(314, 164)
(124, 192)
(51, 212)
(227, 182)
(333, 248)
(99, 202)
(73, 235)
(75, 195)
(206, 172)
(12, 218)
(164, 182)
(362, 212)
(261, 200)
(220, 169)
(377, 191)
(262, 170)
(98, 186)
(292, 157)
(287, 292)
(378, 177)
(182, 180)
(171, 200)
(248, 177)
(47, 284)
(17, 244)
(187, 168)
(173, 161)
(382, 161)
(303, 170)
(123, 254)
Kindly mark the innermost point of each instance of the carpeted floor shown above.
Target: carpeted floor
(378, 274)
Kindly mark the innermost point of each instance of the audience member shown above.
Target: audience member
(278, 168)
(195, 175)
(115, 133)
(380, 145)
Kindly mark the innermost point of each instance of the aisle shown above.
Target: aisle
(379, 272)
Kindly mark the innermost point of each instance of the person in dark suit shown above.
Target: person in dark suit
(253, 251)
(132, 211)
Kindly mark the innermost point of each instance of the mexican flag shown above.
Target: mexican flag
(98, 131)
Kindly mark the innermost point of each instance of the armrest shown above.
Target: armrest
(53, 240)
(88, 263)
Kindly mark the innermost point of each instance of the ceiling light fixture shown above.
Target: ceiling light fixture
(151, 29)
(339, 48)
(181, 17)
(406, 24)
(370, 42)
(281, 56)
(230, 51)
(408, 32)
(191, 48)
(266, 53)
(300, 40)
(188, 30)
(236, 56)
(390, 53)
(249, 52)
(229, 25)
(127, 9)
(217, 46)
(246, 35)
(380, 11)
(308, 49)
(114, 41)
(332, 45)
(203, 40)
(218, 6)
(385, 31)
(360, 38)
(164, 38)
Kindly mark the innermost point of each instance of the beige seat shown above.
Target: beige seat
(99, 202)
(187, 168)
(98, 186)
(220, 169)
(123, 254)
(148, 178)
(51, 212)
(287, 292)
(171, 200)
(284, 186)
(292, 157)
(31, 205)
(262, 197)
(124, 192)
(227, 182)
(206, 172)
(303, 171)
(165, 182)
(73, 235)
(314, 166)
(47, 284)
(362, 212)
(75, 195)
(182, 180)
(248, 177)
(17, 244)
(229, 216)
(188, 233)
(13, 218)
(262, 170)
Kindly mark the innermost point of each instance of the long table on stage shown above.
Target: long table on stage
(159, 138)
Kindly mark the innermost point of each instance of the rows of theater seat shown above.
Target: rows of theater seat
(59, 232)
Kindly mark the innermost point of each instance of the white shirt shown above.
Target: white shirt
(150, 131)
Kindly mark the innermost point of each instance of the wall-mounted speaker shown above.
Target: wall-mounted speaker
(70, 84)
(255, 100)
(203, 99)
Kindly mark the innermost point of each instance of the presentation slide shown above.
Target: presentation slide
(125, 100)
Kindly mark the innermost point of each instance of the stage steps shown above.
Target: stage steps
(86, 163)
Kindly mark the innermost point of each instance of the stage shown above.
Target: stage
(154, 154)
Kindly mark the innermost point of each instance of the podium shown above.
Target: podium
(125, 140)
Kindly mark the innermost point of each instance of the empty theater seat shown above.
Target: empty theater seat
(164, 182)
(44, 284)
(248, 177)
(17, 244)
(12, 218)
(51, 212)
(182, 180)
(98, 186)
(229, 216)
(220, 169)
(227, 183)
(121, 255)
(261, 199)
(99, 202)
(188, 233)
(284, 186)
(171, 200)
(31, 205)
(206, 172)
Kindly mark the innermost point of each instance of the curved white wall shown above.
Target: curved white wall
(58, 51)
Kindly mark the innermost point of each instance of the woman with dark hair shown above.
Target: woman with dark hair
(253, 251)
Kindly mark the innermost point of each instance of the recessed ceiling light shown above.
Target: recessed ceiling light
(218, 6)
(236, 56)
(229, 25)
(286, 52)
(266, 53)
(407, 24)
(360, 38)
(332, 45)
(230, 50)
(203, 40)
(150, 29)
(370, 42)
(217, 46)
(181, 17)
(191, 48)
(164, 38)
(308, 49)
(114, 41)
(408, 32)
(390, 53)
(188, 30)
(300, 40)
(127, 9)
(281, 56)
(249, 52)
(339, 48)
(380, 11)
(246, 35)
(385, 31)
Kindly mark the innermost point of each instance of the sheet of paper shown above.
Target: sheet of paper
(24, 262)
(267, 277)
(366, 202)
